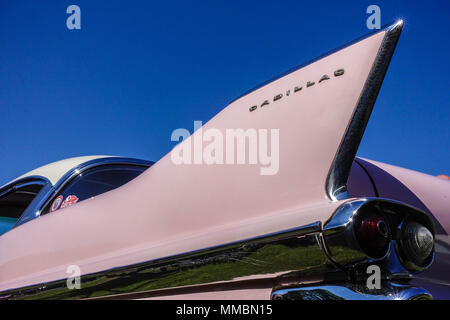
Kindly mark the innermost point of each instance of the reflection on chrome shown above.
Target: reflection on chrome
(353, 291)
(294, 253)
(344, 246)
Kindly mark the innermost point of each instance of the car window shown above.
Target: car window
(14, 202)
(92, 183)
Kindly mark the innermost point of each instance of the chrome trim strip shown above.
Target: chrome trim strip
(353, 291)
(295, 256)
(336, 185)
(20, 183)
(263, 256)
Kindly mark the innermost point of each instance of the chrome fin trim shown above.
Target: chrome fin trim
(336, 185)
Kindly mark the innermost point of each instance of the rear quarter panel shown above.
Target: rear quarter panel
(430, 194)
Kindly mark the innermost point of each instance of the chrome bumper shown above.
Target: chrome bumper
(353, 291)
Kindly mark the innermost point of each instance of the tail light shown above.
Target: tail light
(371, 230)
(373, 235)
(416, 244)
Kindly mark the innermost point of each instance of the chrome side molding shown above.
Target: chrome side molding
(290, 258)
(287, 254)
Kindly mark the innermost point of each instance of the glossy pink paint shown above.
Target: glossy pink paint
(171, 209)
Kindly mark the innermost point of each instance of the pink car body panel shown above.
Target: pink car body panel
(176, 208)
(423, 191)
(172, 209)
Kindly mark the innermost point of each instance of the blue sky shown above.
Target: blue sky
(137, 70)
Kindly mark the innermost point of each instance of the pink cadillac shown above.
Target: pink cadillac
(320, 228)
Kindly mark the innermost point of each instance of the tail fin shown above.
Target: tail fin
(318, 112)
(321, 110)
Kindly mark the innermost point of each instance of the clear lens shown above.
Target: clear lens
(417, 242)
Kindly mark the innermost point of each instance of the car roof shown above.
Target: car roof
(53, 172)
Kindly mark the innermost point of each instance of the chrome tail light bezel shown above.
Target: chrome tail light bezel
(343, 248)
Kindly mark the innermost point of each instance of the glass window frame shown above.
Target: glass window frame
(30, 212)
(68, 182)
(50, 191)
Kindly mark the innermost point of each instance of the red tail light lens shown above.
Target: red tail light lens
(374, 236)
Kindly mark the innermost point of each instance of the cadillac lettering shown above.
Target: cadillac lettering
(337, 73)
